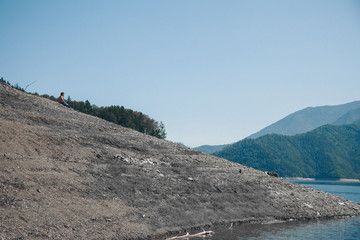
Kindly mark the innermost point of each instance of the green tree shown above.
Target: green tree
(116, 114)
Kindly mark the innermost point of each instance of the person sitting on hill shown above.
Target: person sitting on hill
(62, 101)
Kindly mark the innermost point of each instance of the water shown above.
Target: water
(348, 229)
(336, 229)
(347, 190)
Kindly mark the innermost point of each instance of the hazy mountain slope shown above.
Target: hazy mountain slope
(68, 175)
(209, 149)
(326, 152)
(307, 119)
(349, 117)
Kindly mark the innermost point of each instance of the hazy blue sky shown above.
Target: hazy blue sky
(213, 71)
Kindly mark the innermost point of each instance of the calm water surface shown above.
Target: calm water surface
(347, 190)
(339, 229)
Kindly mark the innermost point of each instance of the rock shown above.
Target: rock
(308, 205)
(273, 174)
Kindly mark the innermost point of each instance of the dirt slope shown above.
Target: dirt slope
(67, 175)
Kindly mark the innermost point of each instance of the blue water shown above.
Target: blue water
(336, 229)
(347, 190)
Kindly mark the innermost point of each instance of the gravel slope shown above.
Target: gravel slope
(68, 175)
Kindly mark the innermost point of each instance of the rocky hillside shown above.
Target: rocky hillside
(67, 175)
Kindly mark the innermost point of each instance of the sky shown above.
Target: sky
(213, 71)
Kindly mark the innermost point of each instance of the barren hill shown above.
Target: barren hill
(67, 175)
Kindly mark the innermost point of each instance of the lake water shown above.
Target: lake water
(347, 190)
(336, 229)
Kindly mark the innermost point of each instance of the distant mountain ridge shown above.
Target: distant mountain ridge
(303, 121)
(326, 152)
(349, 118)
(310, 118)
(316, 142)
(209, 149)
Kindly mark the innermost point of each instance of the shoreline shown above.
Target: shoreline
(324, 179)
(234, 223)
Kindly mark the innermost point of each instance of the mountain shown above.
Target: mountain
(303, 121)
(69, 175)
(326, 152)
(349, 118)
(310, 118)
(209, 149)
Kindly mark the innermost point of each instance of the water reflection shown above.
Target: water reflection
(325, 229)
